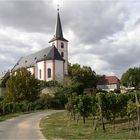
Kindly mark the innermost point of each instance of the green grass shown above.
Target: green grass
(59, 126)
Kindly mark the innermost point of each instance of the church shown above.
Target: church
(50, 63)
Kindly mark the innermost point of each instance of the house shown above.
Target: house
(108, 83)
(50, 63)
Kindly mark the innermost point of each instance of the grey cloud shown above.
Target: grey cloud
(32, 16)
(137, 22)
(126, 59)
(11, 48)
(95, 20)
(92, 22)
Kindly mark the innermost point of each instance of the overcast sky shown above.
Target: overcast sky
(103, 34)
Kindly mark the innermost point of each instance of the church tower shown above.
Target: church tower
(60, 43)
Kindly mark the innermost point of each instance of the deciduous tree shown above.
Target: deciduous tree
(22, 86)
(83, 77)
(131, 78)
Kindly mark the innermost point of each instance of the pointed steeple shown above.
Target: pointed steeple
(58, 30)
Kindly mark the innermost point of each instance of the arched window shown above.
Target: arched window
(62, 54)
(49, 73)
(40, 73)
(62, 45)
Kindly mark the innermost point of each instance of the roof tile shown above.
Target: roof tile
(107, 80)
(50, 53)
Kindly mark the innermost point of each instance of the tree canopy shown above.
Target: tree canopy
(84, 76)
(131, 78)
(22, 85)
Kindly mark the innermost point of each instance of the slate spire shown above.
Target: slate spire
(58, 29)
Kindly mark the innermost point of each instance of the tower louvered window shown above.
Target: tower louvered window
(62, 45)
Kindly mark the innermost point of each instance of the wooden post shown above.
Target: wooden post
(138, 109)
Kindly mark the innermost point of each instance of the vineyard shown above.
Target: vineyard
(105, 108)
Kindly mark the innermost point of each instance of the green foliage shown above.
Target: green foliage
(83, 77)
(51, 83)
(131, 78)
(22, 86)
(61, 96)
(44, 102)
(84, 106)
(60, 126)
(131, 109)
(122, 100)
(103, 107)
(1, 84)
(72, 105)
(14, 107)
(94, 106)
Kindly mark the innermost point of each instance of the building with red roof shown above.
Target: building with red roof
(108, 83)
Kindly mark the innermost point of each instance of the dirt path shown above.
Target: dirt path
(25, 127)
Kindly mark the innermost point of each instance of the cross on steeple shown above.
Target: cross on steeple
(58, 7)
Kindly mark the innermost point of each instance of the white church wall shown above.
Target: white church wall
(59, 70)
(65, 50)
(40, 70)
(57, 43)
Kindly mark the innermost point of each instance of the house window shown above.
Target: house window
(62, 45)
(40, 73)
(62, 54)
(49, 73)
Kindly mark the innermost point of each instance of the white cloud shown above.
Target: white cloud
(15, 44)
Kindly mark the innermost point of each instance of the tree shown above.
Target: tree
(22, 85)
(94, 110)
(131, 112)
(84, 106)
(83, 77)
(102, 108)
(113, 106)
(131, 78)
(72, 105)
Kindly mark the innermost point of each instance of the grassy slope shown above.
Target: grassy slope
(59, 126)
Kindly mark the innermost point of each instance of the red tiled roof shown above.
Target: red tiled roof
(107, 80)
